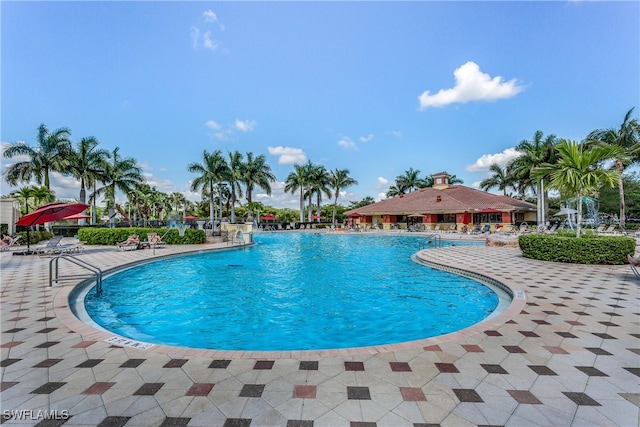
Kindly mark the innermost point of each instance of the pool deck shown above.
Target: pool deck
(566, 352)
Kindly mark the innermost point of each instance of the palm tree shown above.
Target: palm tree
(42, 195)
(234, 178)
(178, 200)
(86, 163)
(339, 179)
(410, 180)
(534, 153)
(453, 180)
(256, 172)
(212, 171)
(576, 170)
(626, 137)
(297, 180)
(395, 191)
(23, 194)
(120, 173)
(500, 178)
(319, 182)
(50, 155)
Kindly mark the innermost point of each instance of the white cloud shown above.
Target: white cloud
(288, 155)
(347, 143)
(210, 16)
(382, 182)
(471, 85)
(244, 125)
(476, 184)
(212, 124)
(366, 138)
(486, 160)
(396, 133)
(380, 196)
(208, 42)
(195, 36)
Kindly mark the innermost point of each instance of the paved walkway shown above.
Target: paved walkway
(567, 352)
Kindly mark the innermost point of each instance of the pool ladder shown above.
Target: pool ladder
(55, 276)
(432, 240)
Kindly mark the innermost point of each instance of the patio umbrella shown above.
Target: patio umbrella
(316, 217)
(566, 211)
(49, 213)
(77, 216)
(354, 215)
(268, 217)
(465, 218)
(189, 217)
(416, 216)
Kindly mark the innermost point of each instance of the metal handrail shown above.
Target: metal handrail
(436, 238)
(54, 276)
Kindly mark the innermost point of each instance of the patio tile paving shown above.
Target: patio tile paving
(570, 355)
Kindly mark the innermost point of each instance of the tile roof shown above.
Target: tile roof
(455, 198)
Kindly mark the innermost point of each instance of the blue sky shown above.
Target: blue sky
(374, 87)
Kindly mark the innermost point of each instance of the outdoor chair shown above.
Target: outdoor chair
(50, 248)
(14, 242)
(610, 229)
(131, 244)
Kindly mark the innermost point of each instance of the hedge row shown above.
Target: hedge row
(34, 236)
(112, 236)
(610, 250)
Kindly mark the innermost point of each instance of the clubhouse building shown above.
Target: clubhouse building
(444, 207)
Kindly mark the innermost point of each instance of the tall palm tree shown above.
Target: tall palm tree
(86, 163)
(534, 153)
(50, 155)
(297, 180)
(339, 179)
(410, 180)
(212, 171)
(500, 178)
(234, 178)
(256, 172)
(626, 137)
(120, 173)
(576, 171)
(319, 183)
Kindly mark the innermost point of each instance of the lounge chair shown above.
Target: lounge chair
(12, 243)
(476, 229)
(600, 228)
(51, 247)
(486, 229)
(635, 265)
(553, 228)
(610, 229)
(131, 244)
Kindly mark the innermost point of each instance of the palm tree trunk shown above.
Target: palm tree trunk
(579, 220)
(335, 204)
(622, 204)
(301, 204)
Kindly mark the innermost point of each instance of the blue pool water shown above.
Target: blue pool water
(292, 291)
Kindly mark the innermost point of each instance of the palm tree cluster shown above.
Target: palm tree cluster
(91, 165)
(410, 180)
(576, 169)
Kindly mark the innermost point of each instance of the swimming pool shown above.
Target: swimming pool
(291, 291)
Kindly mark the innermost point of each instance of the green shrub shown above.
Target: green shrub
(590, 249)
(112, 236)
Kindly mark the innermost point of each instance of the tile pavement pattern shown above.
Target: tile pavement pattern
(569, 355)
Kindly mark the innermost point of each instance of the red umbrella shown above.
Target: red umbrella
(51, 212)
(77, 216)
(189, 217)
(465, 218)
(268, 217)
(316, 217)
(354, 215)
